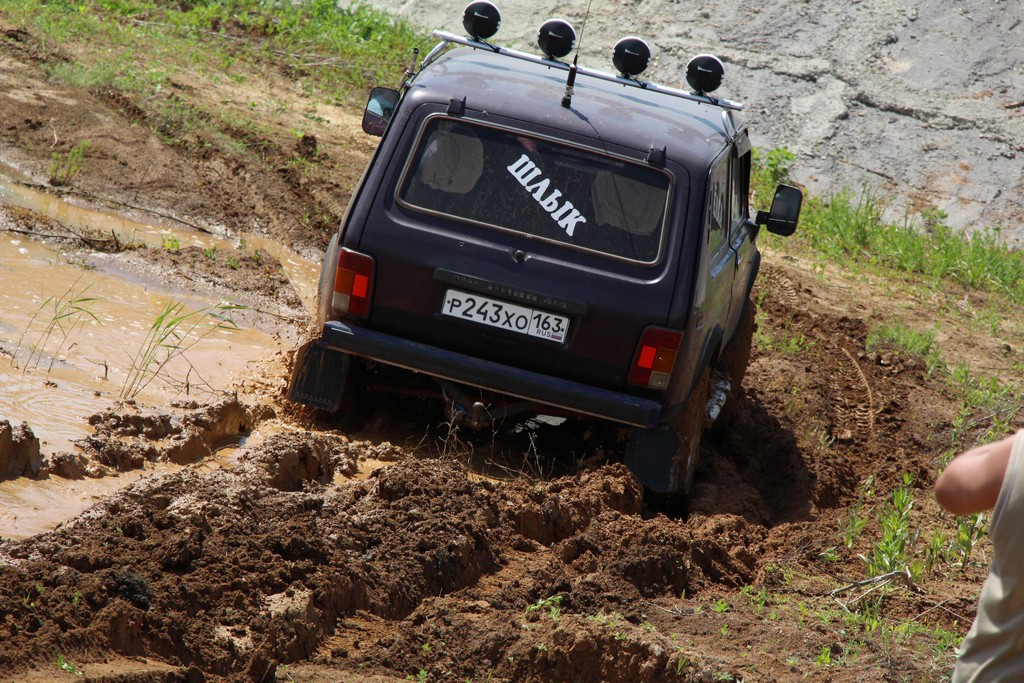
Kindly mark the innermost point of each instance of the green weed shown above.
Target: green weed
(681, 662)
(551, 605)
(61, 316)
(889, 552)
(770, 168)
(172, 333)
(758, 600)
(970, 529)
(855, 523)
(30, 597)
(612, 622)
(783, 340)
(935, 551)
(64, 167)
(64, 665)
(830, 554)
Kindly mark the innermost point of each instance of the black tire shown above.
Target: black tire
(734, 361)
(736, 356)
(689, 427)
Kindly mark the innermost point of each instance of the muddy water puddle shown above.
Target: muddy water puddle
(70, 336)
(29, 507)
(16, 191)
(70, 340)
(33, 506)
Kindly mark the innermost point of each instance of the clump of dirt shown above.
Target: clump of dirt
(19, 450)
(126, 438)
(234, 571)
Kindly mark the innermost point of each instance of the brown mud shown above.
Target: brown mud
(381, 546)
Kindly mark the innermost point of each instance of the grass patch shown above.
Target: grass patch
(332, 51)
(152, 57)
(849, 228)
(905, 340)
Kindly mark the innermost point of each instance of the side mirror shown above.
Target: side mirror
(785, 211)
(379, 109)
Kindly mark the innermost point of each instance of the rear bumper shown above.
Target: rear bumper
(477, 372)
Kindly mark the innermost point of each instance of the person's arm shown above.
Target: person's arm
(971, 483)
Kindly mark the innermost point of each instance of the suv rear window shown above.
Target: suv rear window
(509, 181)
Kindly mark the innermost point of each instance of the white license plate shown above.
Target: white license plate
(505, 316)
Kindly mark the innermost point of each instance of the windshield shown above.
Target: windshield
(506, 180)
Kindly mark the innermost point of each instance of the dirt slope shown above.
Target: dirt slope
(309, 561)
(920, 101)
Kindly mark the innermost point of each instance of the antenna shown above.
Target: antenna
(571, 80)
(410, 70)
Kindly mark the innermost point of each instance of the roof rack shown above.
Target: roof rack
(698, 63)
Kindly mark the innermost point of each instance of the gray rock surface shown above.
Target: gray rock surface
(921, 103)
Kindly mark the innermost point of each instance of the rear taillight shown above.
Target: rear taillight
(352, 284)
(652, 367)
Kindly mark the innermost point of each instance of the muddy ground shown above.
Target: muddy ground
(381, 546)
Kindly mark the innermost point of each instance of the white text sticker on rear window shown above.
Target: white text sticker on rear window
(549, 198)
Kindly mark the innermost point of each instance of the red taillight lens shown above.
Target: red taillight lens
(352, 284)
(655, 358)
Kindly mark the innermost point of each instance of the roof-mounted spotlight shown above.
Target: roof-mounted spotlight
(481, 19)
(556, 38)
(630, 56)
(704, 73)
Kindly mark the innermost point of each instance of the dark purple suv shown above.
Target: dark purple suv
(538, 237)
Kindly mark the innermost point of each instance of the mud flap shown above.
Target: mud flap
(651, 456)
(318, 377)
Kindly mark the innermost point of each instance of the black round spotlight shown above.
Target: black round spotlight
(481, 19)
(630, 56)
(704, 73)
(556, 38)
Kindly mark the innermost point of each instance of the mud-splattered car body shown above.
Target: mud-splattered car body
(538, 244)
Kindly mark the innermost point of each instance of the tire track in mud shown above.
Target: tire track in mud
(859, 417)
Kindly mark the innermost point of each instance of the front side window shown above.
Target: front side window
(506, 180)
(718, 204)
(740, 174)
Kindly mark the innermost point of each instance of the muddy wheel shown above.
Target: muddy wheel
(689, 427)
(734, 361)
(736, 356)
